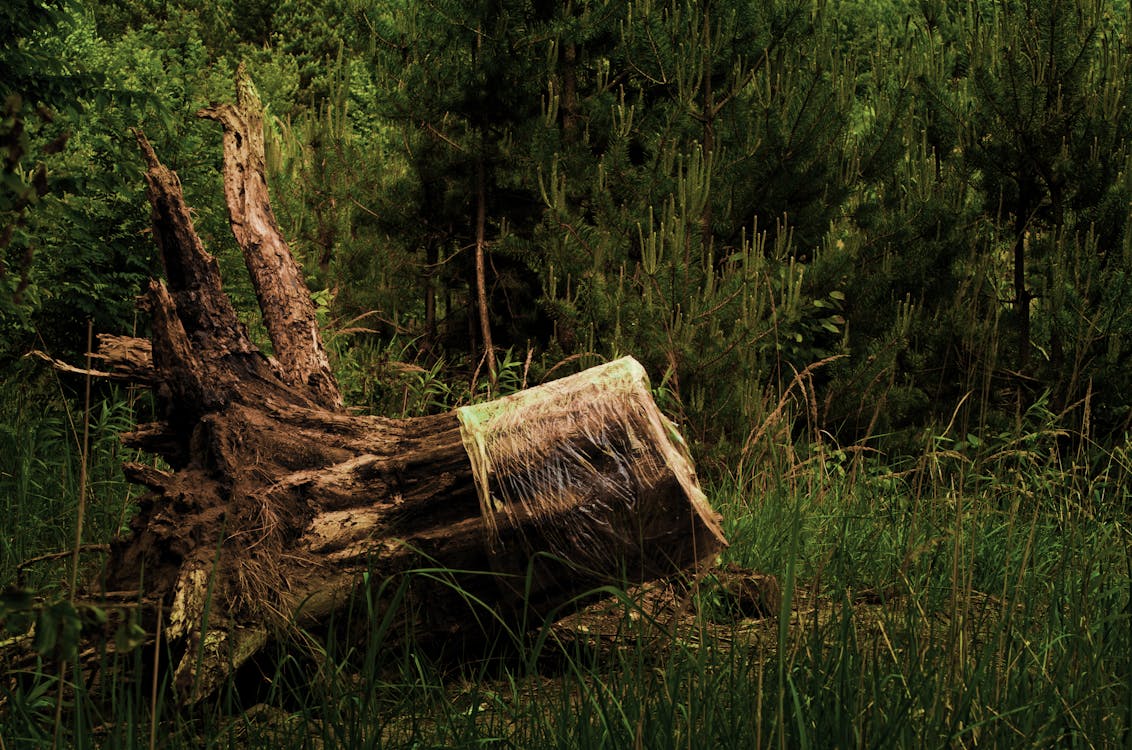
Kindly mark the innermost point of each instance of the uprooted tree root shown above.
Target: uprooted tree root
(280, 510)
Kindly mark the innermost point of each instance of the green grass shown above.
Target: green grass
(979, 596)
(40, 469)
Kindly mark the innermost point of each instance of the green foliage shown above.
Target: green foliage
(1043, 134)
(679, 223)
(32, 83)
(40, 459)
(80, 250)
(729, 191)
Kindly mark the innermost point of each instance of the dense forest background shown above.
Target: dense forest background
(915, 212)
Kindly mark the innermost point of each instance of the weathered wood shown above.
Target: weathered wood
(126, 358)
(191, 274)
(288, 312)
(279, 501)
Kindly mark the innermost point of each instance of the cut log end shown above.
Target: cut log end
(587, 469)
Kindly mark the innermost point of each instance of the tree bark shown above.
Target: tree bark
(709, 113)
(1022, 295)
(570, 93)
(288, 312)
(280, 506)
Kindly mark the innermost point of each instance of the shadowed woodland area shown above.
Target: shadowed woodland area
(728, 192)
(874, 259)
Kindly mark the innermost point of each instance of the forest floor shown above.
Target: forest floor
(955, 601)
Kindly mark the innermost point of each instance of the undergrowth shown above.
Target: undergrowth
(977, 596)
(41, 457)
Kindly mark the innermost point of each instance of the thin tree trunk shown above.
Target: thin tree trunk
(1022, 295)
(570, 93)
(709, 126)
(432, 260)
(481, 271)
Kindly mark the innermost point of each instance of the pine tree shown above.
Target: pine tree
(682, 215)
(463, 79)
(904, 249)
(1022, 108)
(1047, 130)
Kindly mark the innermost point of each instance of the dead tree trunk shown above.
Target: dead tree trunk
(278, 500)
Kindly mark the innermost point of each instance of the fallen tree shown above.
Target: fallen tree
(278, 500)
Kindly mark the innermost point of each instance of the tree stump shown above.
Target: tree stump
(279, 500)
